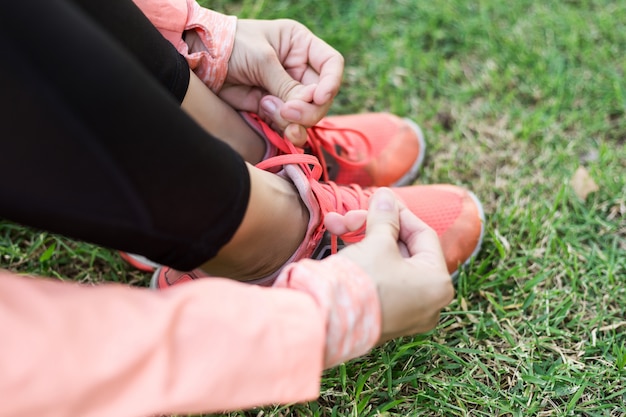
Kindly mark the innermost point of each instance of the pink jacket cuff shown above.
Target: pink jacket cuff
(349, 300)
(216, 32)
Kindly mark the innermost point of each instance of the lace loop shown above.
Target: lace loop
(342, 147)
(317, 141)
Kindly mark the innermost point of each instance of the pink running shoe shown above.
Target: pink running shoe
(454, 213)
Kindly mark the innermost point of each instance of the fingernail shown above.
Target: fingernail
(385, 200)
(292, 115)
(269, 107)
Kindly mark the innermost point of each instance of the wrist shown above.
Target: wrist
(349, 302)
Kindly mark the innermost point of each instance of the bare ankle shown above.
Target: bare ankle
(273, 228)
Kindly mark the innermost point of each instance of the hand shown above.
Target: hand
(281, 71)
(413, 288)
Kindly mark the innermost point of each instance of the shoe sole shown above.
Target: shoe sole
(411, 174)
(154, 279)
(138, 262)
(481, 213)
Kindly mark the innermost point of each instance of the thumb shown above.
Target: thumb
(383, 217)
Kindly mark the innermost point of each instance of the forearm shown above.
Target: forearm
(113, 350)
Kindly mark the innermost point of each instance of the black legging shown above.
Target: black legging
(93, 143)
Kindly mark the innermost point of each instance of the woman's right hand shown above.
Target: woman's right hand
(403, 256)
(281, 63)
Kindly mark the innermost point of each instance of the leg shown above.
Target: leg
(272, 229)
(221, 120)
(111, 157)
(129, 26)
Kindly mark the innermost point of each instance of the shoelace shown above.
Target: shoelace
(346, 141)
(330, 196)
(347, 145)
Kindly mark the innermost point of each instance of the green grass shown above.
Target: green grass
(513, 97)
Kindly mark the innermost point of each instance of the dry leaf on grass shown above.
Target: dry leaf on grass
(583, 184)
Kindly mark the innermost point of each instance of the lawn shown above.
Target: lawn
(514, 98)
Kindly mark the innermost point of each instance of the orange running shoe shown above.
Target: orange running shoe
(369, 149)
(453, 212)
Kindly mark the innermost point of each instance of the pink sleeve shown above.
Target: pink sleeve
(349, 296)
(216, 31)
(113, 350)
(207, 346)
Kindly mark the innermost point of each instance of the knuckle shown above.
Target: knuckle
(287, 87)
(432, 322)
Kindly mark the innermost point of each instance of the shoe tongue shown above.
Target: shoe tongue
(332, 167)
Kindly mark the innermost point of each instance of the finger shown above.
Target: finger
(335, 223)
(328, 87)
(296, 134)
(324, 64)
(420, 239)
(324, 92)
(355, 219)
(304, 113)
(278, 82)
(338, 224)
(270, 110)
(404, 251)
(274, 109)
(271, 113)
(383, 221)
(426, 323)
(329, 64)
